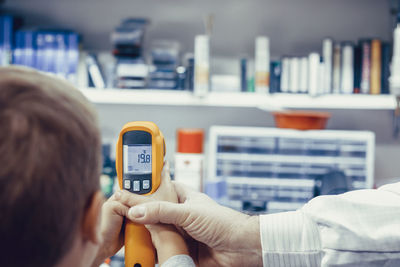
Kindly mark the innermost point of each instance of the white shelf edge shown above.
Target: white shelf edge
(366, 102)
(240, 100)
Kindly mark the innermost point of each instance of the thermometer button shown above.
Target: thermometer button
(136, 186)
(146, 184)
(127, 184)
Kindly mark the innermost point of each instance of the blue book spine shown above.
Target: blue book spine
(40, 58)
(243, 74)
(1, 41)
(29, 49)
(61, 55)
(181, 77)
(190, 74)
(72, 56)
(275, 76)
(50, 46)
(18, 55)
(7, 27)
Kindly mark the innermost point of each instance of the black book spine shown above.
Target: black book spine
(357, 69)
(386, 56)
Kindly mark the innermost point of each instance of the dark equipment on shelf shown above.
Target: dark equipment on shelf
(332, 183)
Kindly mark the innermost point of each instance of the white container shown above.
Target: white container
(347, 69)
(313, 72)
(189, 170)
(285, 75)
(328, 60)
(294, 75)
(321, 78)
(262, 65)
(395, 72)
(303, 75)
(202, 65)
(337, 56)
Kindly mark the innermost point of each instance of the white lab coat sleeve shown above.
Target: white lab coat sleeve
(359, 228)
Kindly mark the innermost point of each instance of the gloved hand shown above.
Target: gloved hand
(219, 236)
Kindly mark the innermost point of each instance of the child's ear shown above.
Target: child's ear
(92, 219)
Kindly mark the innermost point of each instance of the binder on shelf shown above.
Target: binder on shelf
(327, 50)
(72, 56)
(243, 75)
(190, 74)
(386, 56)
(376, 66)
(275, 81)
(49, 54)
(357, 69)
(60, 51)
(40, 51)
(28, 50)
(285, 76)
(303, 75)
(337, 66)
(24, 53)
(95, 76)
(8, 25)
(313, 73)
(321, 78)
(19, 46)
(347, 68)
(365, 46)
(294, 75)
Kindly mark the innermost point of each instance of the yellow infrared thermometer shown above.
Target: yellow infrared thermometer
(139, 162)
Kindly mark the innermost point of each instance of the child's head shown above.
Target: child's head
(49, 169)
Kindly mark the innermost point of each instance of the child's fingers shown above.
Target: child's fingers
(115, 207)
(130, 199)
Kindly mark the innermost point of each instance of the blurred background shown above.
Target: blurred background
(198, 64)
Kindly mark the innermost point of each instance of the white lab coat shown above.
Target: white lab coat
(359, 228)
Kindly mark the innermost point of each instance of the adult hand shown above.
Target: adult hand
(219, 236)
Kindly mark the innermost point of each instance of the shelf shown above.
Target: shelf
(240, 100)
(366, 102)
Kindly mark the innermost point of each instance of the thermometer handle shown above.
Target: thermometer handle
(139, 250)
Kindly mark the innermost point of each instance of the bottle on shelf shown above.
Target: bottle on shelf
(189, 158)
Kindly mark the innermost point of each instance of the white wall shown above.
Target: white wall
(294, 26)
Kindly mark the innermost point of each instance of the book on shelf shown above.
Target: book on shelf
(365, 65)
(376, 66)
(386, 57)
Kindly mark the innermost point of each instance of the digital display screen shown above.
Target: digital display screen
(137, 159)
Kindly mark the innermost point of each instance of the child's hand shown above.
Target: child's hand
(112, 234)
(166, 239)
